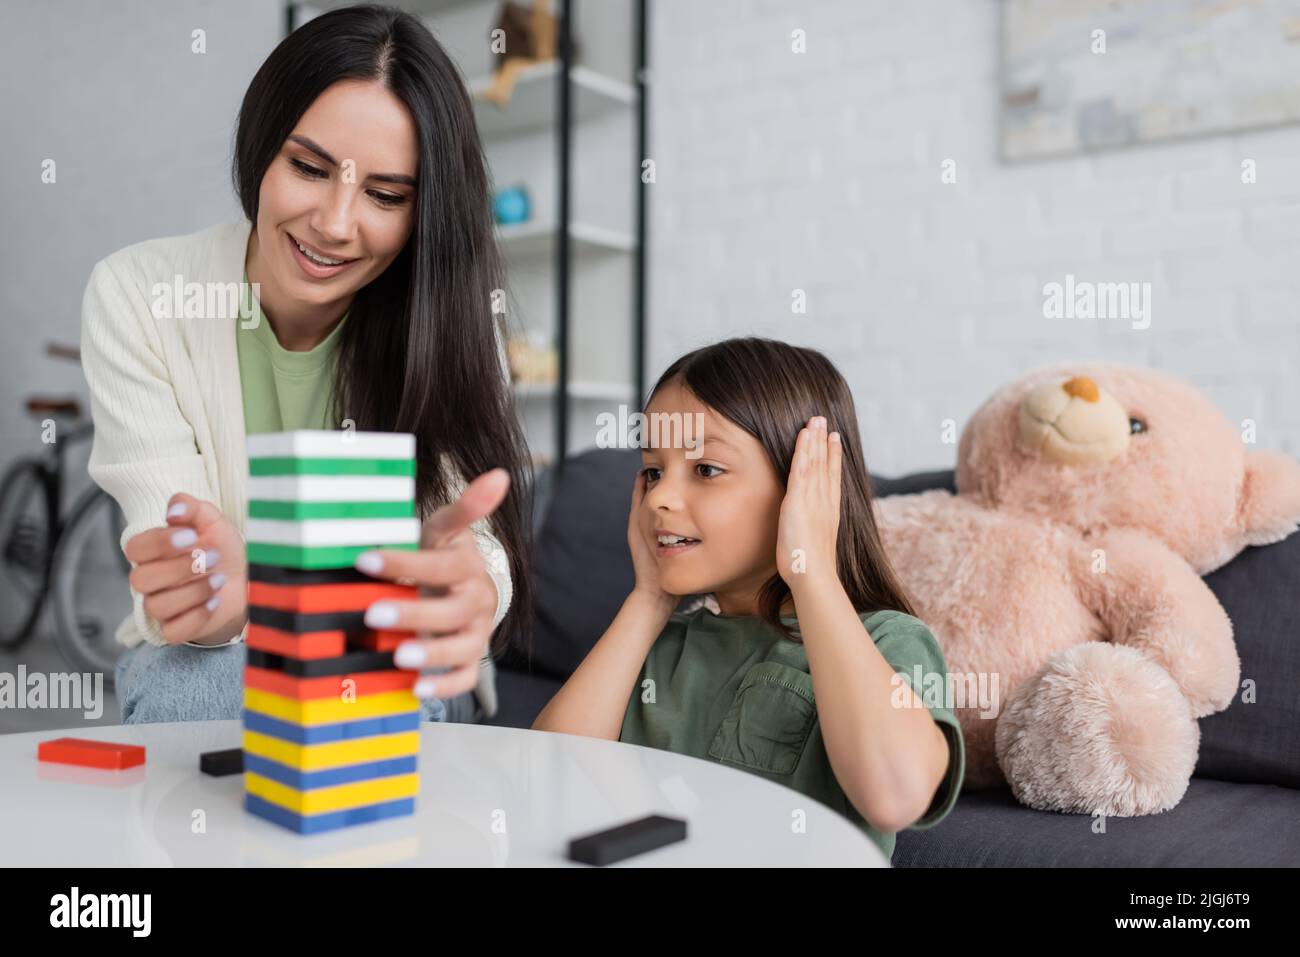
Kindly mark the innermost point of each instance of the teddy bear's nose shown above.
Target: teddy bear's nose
(1083, 388)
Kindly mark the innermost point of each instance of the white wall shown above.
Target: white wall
(141, 130)
(821, 172)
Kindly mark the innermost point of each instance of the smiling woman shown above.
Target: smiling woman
(367, 243)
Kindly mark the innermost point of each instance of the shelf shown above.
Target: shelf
(535, 99)
(588, 390)
(528, 240)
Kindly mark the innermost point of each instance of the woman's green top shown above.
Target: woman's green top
(283, 390)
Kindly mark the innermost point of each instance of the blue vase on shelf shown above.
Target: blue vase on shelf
(511, 206)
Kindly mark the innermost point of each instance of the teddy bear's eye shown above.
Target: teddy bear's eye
(1136, 425)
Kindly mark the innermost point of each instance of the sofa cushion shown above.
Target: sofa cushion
(1216, 824)
(1259, 741)
(581, 566)
(522, 697)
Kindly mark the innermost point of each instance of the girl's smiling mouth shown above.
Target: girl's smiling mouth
(669, 544)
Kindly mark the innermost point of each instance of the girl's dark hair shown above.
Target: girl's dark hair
(771, 390)
(419, 352)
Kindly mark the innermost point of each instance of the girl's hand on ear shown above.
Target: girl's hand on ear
(810, 512)
(193, 572)
(638, 542)
(452, 618)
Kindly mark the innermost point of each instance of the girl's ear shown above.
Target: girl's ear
(1269, 509)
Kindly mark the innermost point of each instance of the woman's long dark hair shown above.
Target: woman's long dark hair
(771, 390)
(419, 352)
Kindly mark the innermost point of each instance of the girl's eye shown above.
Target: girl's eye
(714, 467)
(646, 472)
(388, 199)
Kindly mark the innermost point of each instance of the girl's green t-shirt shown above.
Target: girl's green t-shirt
(732, 689)
(283, 390)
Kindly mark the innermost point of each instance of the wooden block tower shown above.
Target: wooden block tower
(331, 727)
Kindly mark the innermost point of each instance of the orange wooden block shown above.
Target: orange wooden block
(327, 686)
(90, 754)
(306, 646)
(330, 597)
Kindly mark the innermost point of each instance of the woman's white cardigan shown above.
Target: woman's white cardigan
(165, 395)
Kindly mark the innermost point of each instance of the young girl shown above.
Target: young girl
(793, 678)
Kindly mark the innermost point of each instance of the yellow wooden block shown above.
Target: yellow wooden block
(332, 754)
(330, 710)
(341, 797)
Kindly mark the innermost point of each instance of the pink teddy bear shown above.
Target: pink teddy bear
(1066, 572)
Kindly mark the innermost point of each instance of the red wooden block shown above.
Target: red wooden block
(326, 598)
(90, 754)
(311, 645)
(327, 686)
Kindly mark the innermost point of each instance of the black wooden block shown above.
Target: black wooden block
(221, 763)
(627, 840)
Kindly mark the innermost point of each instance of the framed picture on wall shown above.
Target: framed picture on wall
(1081, 75)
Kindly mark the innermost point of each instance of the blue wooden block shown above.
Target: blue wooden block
(333, 820)
(347, 774)
(343, 731)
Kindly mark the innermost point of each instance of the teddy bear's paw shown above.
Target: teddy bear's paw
(1205, 668)
(1099, 728)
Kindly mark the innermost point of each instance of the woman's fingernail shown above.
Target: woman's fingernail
(381, 614)
(211, 603)
(210, 558)
(425, 687)
(217, 580)
(177, 509)
(370, 562)
(186, 536)
(835, 436)
(410, 654)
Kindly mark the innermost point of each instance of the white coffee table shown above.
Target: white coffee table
(488, 797)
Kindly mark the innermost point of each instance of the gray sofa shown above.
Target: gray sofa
(1242, 807)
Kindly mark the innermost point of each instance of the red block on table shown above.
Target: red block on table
(90, 754)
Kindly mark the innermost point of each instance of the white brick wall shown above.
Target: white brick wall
(821, 172)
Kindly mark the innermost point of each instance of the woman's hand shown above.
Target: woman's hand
(453, 618)
(639, 534)
(193, 573)
(810, 512)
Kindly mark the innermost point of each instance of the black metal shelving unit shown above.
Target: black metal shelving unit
(563, 258)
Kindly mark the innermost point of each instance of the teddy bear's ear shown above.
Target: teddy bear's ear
(1269, 509)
